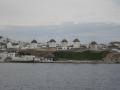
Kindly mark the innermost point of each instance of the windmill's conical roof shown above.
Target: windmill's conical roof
(52, 40)
(64, 40)
(76, 40)
(93, 42)
(33, 41)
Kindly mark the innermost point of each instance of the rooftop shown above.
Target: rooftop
(64, 40)
(76, 40)
(93, 42)
(52, 40)
(33, 41)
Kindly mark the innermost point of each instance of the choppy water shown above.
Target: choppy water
(59, 76)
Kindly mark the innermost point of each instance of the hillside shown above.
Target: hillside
(85, 55)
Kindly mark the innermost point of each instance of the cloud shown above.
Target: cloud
(99, 32)
(116, 1)
(47, 12)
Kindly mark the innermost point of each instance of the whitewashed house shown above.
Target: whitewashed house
(3, 56)
(93, 46)
(11, 54)
(64, 44)
(21, 44)
(102, 47)
(2, 46)
(42, 45)
(14, 57)
(76, 43)
(33, 44)
(9, 45)
(25, 45)
(52, 43)
(16, 45)
(115, 44)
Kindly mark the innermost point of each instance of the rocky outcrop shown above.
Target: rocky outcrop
(112, 58)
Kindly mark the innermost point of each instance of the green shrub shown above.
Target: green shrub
(86, 55)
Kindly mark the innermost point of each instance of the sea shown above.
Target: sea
(59, 76)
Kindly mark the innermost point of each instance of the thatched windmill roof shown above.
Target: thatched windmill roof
(64, 40)
(33, 41)
(52, 40)
(93, 43)
(76, 40)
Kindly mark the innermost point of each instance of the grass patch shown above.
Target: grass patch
(86, 55)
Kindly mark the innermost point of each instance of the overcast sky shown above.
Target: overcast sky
(44, 12)
(18, 14)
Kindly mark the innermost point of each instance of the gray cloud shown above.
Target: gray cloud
(116, 1)
(46, 12)
(44, 19)
(100, 32)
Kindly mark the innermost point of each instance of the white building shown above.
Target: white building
(64, 44)
(13, 45)
(102, 47)
(42, 45)
(52, 43)
(9, 45)
(115, 44)
(93, 46)
(14, 57)
(33, 44)
(76, 43)
(16, 45)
